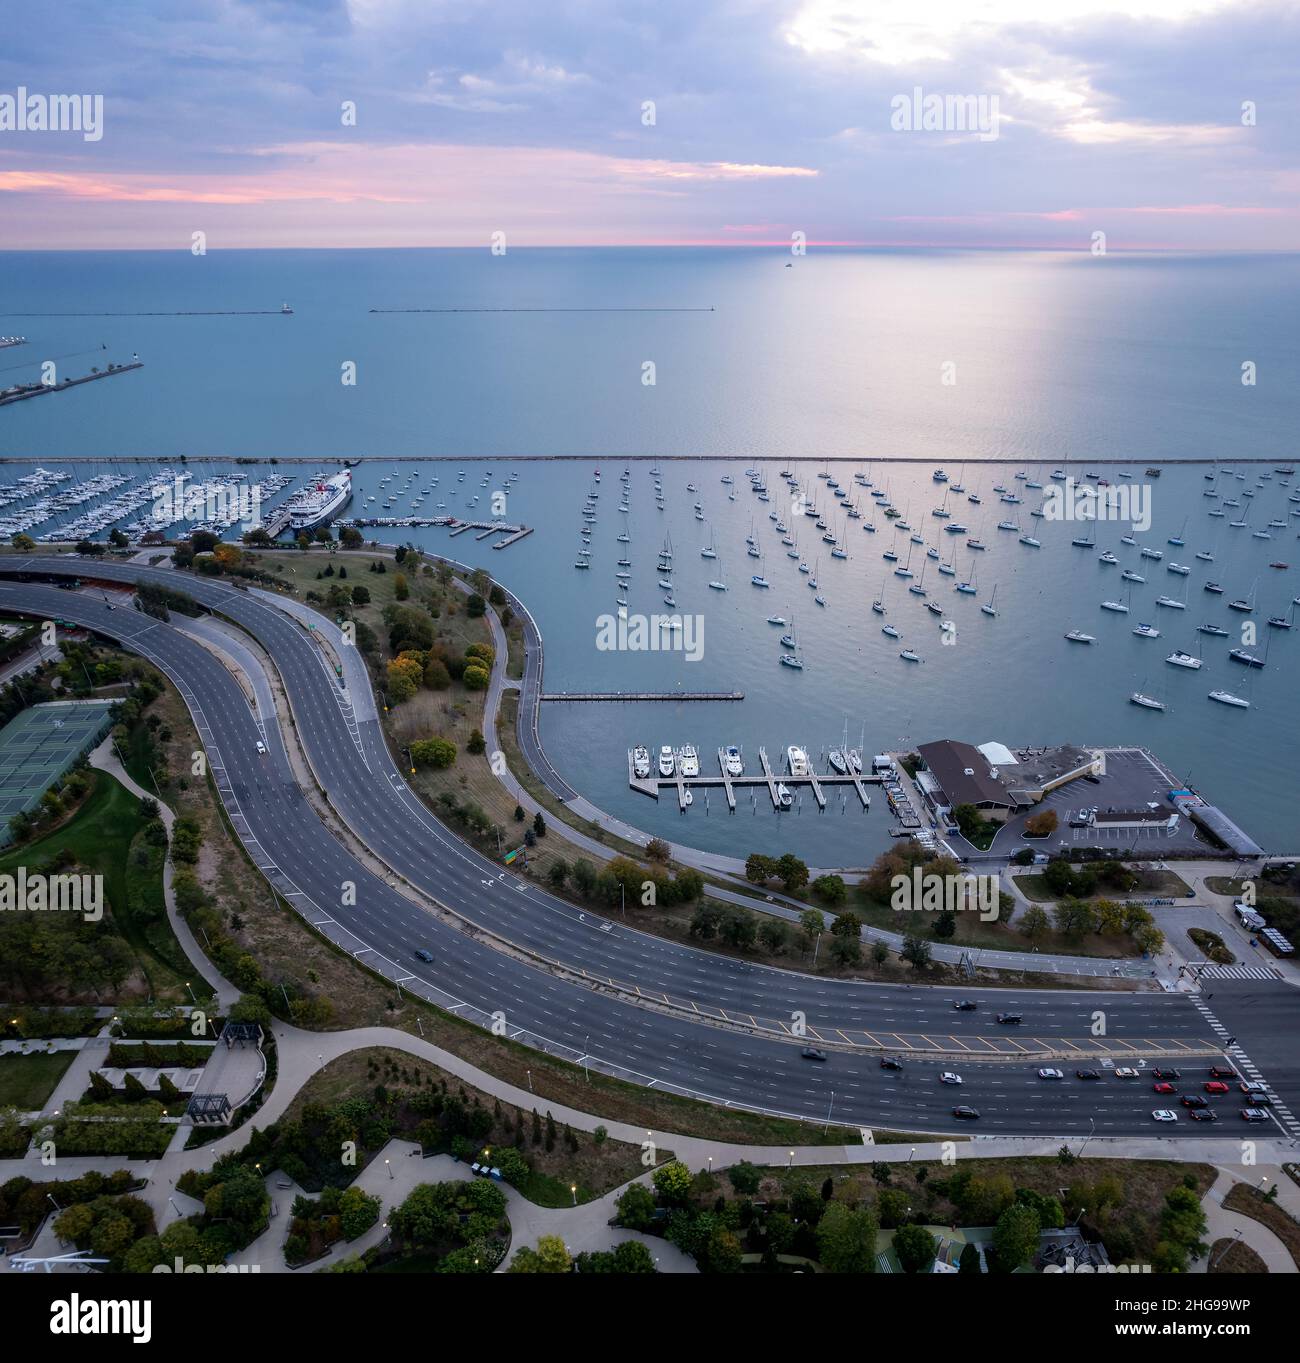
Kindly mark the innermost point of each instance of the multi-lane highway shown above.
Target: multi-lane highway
(550, 1006)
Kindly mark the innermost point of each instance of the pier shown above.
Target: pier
(654, 785)
(513, 533)
(641, 695)
(21, 392)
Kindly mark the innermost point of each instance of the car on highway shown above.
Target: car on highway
(1215, 1086)
(1256, 1095)
(1050, 1074)
(1166, 1074)
(887, 1062)
(966, 1114)
(423, 954)
(1163, 1114)
(948, 1077)
(812, 1053)
(1087, 1074)
(261, 748)
(1254, 1114)
(1010, 1019)
(1125, 1072)
(1195, 1100)
(1222, 1072)
(1203, 1114)
(1163, 1088)
(965, 1005)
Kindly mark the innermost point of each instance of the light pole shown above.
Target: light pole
(791, 1163)
(1092, 1127)
(573, 1188)
(1235, 1238)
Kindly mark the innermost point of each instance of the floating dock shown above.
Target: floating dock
(653, 785)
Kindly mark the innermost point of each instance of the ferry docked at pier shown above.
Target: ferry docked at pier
(320, 501)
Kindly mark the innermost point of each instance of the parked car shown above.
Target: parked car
(887, 1062)
(1087, 1074)
(1050, 1074)
(1166, 1074)
(965, 1005)
(1164, 1088)
(1254, 1114)
(966, 1114)
(812, 1053)
(423, 954)
(1195, 1100)
(1163, 1114)
(947, 1077)
(1215, 1086)
(1010, 1019)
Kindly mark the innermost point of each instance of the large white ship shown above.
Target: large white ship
(320, 501)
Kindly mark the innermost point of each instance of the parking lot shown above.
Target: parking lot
(1133, 780)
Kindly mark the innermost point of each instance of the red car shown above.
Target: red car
(1215, 1086)
(1167, 1088)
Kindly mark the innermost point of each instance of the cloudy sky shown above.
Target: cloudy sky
(682, 121)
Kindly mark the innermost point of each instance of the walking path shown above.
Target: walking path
(1224, 1224)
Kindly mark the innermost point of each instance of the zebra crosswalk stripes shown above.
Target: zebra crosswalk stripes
(1239, 972)
(1246, 1066)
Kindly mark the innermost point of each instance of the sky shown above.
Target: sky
(1164, 124)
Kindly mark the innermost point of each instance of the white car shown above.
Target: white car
(947, 1077)
(261, 748)
(1163, 1114)
(1050, 1074)
(1123, 1072)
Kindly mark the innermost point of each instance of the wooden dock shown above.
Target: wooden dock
(653, 785)
(641, 695)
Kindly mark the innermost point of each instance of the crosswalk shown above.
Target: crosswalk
(1239, 972)
(1244, 1064)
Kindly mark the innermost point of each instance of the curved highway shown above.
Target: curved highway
(668, 1049)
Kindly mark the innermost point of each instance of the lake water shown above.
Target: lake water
(1058, 361)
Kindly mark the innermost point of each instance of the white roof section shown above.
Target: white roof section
(999, 754)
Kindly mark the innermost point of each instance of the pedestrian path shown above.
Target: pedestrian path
(1240, 972)
(1224, 1224)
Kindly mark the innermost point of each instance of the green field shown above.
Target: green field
(26, 1081)
(103, 837)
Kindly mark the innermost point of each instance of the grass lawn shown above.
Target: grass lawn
(103, 836)
(1160, 885)
(1233, 1256)
(976, 934)
(26, 1081)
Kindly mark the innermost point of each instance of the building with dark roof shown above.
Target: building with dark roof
(964, 776)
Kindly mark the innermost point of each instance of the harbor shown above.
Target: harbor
(679, 772)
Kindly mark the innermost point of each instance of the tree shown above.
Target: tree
(476, 678)
(793, 873)
(23, 543)
(745, 1178)
(657, 850)
(945, 926)
(1034, 922)
(360, 595)
(1015, 1237)
(1041, 825)
(830, 889)
(433, 752)
(811, 924)
(916, 951)
(475, 606)
(401, 588)
(846, 1240)
(476, 743)
(969, 1262)
(539, 824)
(351, 538)
(915, 1247)
(550, 1256)
(673, 1183)
(759, 869)
(636, 1207)
(118, 538)
(559, 873)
